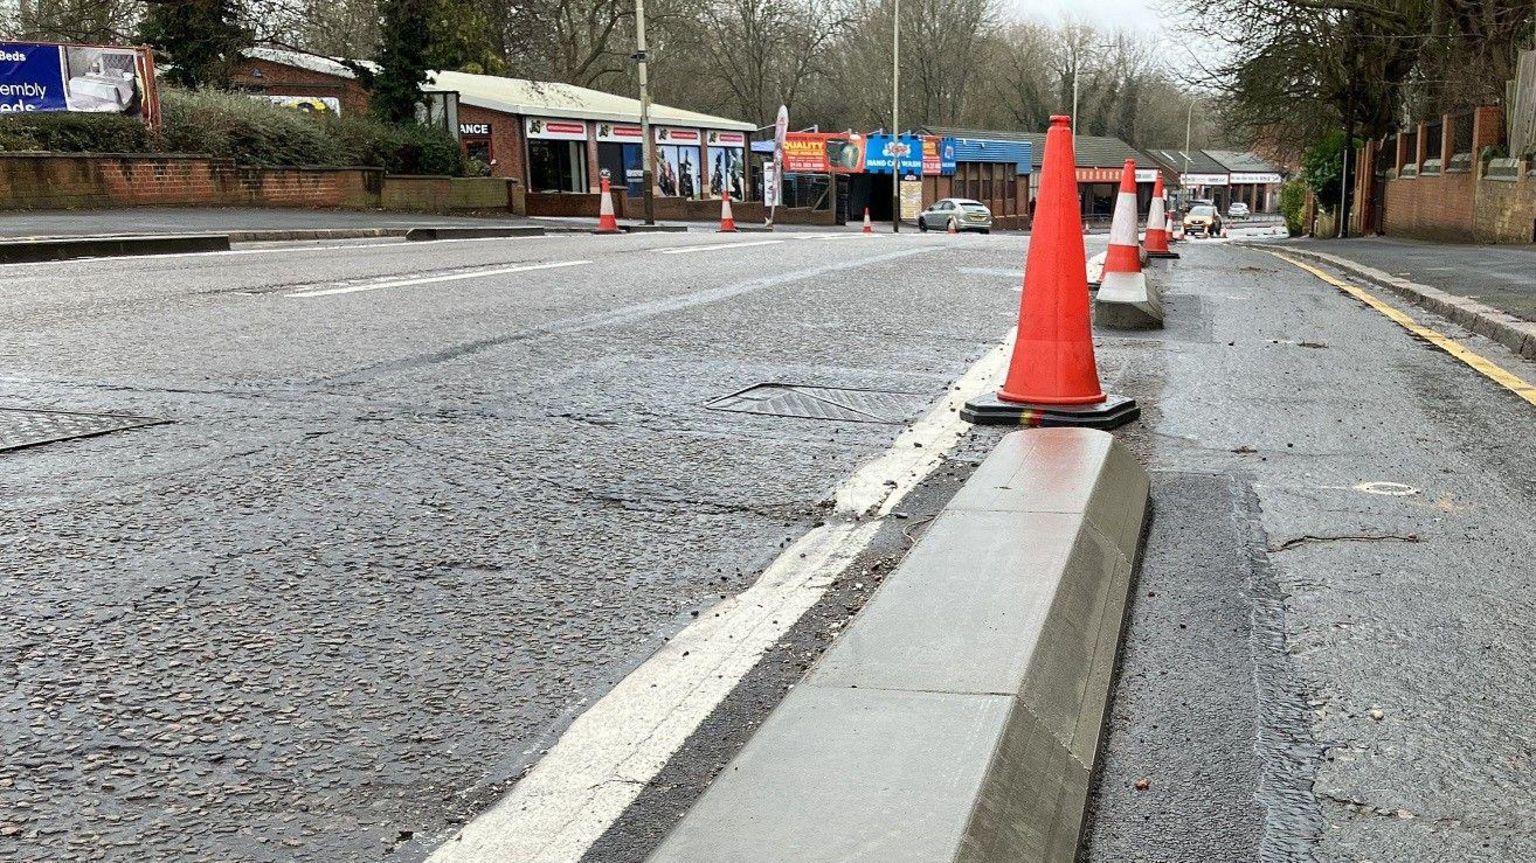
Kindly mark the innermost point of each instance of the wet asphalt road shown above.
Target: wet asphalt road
(397, 538)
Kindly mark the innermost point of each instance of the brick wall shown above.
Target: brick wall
(506, 139)
(261, 76)
(1434, 208)
(571, 204)
(48, 181)
(1506, 211)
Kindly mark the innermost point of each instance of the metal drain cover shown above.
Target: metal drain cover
(824, 403)
(22, 427)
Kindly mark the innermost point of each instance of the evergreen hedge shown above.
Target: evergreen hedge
(249, 130)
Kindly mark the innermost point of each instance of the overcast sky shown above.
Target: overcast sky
(1137, 15)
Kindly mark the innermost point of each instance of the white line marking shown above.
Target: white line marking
(683, 250)
(428, 280)
(601, 763)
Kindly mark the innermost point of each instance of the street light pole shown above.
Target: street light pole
(641, 58)
(895, 123)
(1189, 125)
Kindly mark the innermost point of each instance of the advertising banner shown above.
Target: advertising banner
(911, 197)
(615, 133)
(823, 153)
(1255, 177)
(307, 104)
(771, 194)
(727, 169)
(1203, 179)
(677, 171)
(556, 130)
(85, 78)
(669, 135)
(882, 151)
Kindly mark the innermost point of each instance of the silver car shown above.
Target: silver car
(966, 214)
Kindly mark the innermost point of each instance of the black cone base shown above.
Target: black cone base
(1162, 254)
(989, 410)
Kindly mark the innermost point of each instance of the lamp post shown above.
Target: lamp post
(641, 57)
(1189, 125)
(895, 109)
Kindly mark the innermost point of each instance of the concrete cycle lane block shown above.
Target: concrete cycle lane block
(66, 248)
(471, 232)
(958, 717)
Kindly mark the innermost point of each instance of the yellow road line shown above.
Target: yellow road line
(1484, 366)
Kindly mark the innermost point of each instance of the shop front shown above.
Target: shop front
(1098, 189)
(557, 154)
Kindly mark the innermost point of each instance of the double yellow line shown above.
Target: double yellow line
(1484, 366)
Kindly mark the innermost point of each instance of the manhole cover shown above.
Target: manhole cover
(21, 427)
(824, 403)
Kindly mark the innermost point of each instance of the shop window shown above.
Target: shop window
(622, 162)
(557, 166)
(677, 171)
(477, 151)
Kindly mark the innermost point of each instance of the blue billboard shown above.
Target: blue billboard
(42, 77)
(881, 150)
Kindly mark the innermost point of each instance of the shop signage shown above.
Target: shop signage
(94, 79)
(727, 139)
(669, 135)
(613, 132)
(883, 151)
(1257, 177)
(475, 130)
(1203, 179)
(938, 156)
(556, 130)
(1146, 175)
(823, 153)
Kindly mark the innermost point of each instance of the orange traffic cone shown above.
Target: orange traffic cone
(954, 227)
(1053, 378)
(868, 229)
(1124, 299)
(606, 223)
(1157, 223)
(727, 221)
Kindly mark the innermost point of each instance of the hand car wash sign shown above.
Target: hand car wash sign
(90, 78)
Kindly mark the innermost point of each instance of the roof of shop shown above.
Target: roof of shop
(1092, 151)
(1199, 162)
(517, 95)
(1243, 162)
(548, 99)
(313, 62)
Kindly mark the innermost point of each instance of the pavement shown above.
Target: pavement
(1498, 276)
(423, 505)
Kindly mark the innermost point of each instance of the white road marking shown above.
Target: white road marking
(684, 250)
(601, 763)
(429, 280)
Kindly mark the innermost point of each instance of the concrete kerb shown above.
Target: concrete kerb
(280, 234)
(1514, 333)
(65, 248)
(959, 717)
(471, 233)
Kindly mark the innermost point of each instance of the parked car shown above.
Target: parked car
(968, 215)
(1238, 210)
(1202, 218)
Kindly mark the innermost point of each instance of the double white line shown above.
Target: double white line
(430, 280)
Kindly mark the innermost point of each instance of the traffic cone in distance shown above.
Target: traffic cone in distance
(1157, 223)
(727, 221)
(1124, 300)
(1053, 378)
(954, 228)
(868, 228)
(606, 223)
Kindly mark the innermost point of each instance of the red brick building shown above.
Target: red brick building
(552, 138)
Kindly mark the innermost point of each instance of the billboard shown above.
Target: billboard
(823, 153)
(40, 76)
(905, 151)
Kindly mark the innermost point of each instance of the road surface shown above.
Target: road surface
(422, 505)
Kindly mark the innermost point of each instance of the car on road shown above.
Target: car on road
(1238, 210)
(1202, 219)
(968, 215)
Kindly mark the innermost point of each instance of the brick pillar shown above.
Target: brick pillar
(594, 181)
(1447, 139)
(1420, 149)
(1487, 128)
(1401, 148)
